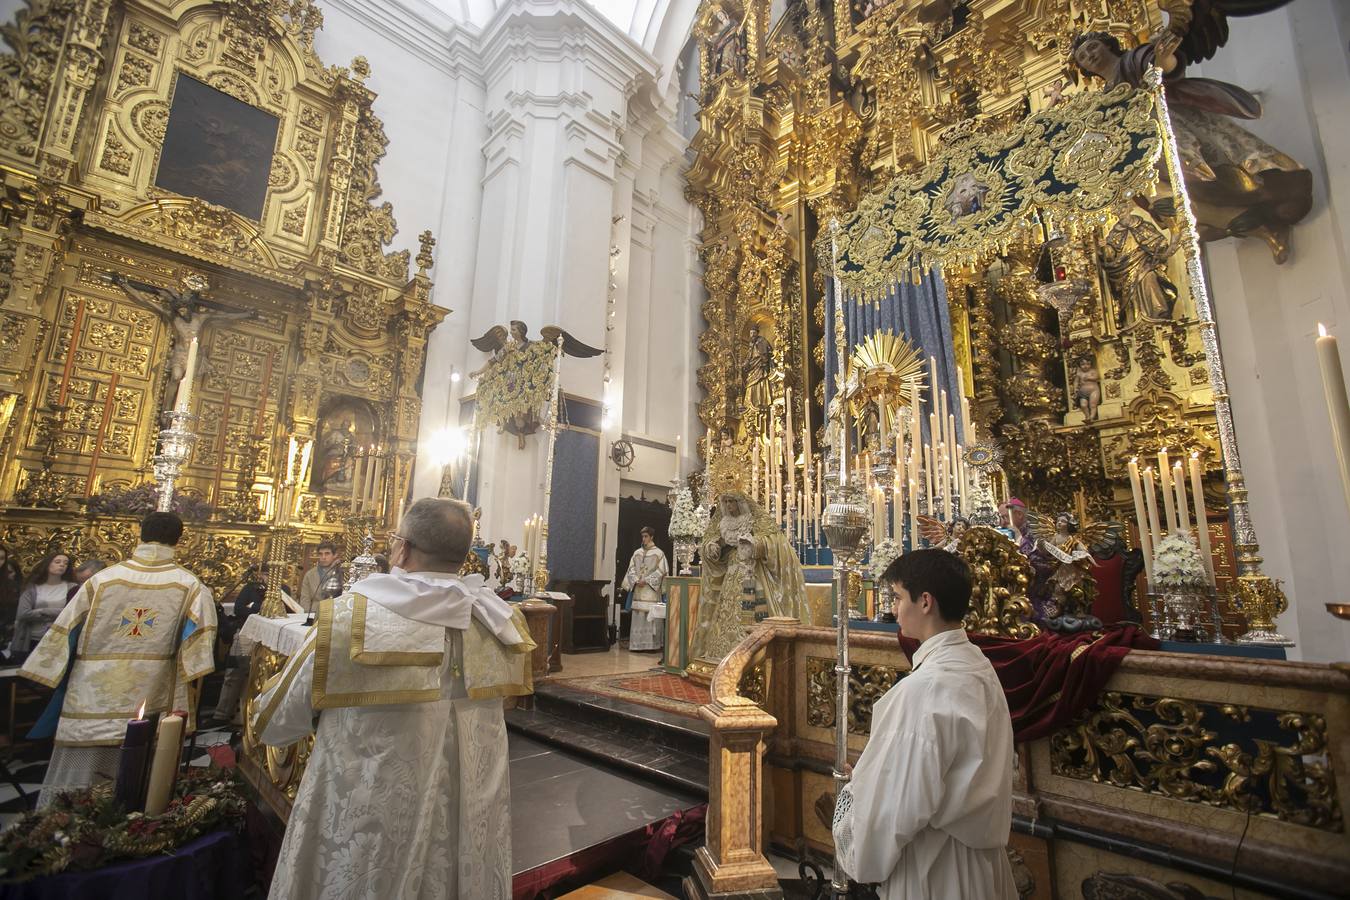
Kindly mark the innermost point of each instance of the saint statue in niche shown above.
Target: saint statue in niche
(1134, 257)
(187, 312)
(344, 428)
(758, 373)
(727, 45)
(1239, 185)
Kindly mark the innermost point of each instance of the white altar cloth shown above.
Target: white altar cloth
(284, 635)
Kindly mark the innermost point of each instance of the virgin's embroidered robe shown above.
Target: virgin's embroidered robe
(137, 632)
(406, 791)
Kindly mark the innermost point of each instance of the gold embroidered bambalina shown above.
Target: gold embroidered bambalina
(146, 630)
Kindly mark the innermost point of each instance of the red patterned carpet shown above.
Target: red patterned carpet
(656, 689)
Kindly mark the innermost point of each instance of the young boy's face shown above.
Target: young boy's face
(908, 614)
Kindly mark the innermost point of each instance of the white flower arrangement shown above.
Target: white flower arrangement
(520, 565)
(684, 518)
(883, 555)
(1176, 563)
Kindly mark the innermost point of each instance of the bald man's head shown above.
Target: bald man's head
(436, 535)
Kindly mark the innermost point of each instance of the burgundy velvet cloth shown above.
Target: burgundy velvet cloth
(1109, 606)
(1051, 678)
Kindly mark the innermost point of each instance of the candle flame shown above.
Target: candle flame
(1195, 454)
(1321, 330)
(1134, 459)
(140, 713)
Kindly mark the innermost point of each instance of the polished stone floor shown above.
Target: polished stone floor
(617, 661)
(561, 803)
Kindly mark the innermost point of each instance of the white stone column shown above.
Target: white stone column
(558, 78)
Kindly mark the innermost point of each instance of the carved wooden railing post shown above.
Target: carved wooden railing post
(732, 862)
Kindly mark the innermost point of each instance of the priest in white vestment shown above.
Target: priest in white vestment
(647, 571)
(929, 807)
(139, 632)
(405, 794)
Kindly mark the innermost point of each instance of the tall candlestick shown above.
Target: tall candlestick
(164, 768)
(913, 511)
(1179, 485)
(102, 433)
(1141, 522)
(843, 439)
(1165, 483)
(1153, 526)
(185, 383)
(1201, 518)
(70, 353)
(1338, 405)
(677, 459)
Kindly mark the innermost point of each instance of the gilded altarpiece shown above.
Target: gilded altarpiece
(805, 115)
(321, 313)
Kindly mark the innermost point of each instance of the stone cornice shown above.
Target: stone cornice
(423, 31)
(565, 29)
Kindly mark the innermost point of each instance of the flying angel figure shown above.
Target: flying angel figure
(508, 350)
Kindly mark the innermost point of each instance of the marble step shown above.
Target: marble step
(659, 747)
(678, 732)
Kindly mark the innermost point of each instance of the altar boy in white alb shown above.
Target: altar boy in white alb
(405, 793)
(647, 571)
(928, 810)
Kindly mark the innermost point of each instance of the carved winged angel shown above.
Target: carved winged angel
(938, 534)
(1063, 560)
(1239, 184)
(518, 376)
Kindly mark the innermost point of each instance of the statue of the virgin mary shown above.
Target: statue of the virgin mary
(750, 571)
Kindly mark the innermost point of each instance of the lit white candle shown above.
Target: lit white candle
(1201, 518)
(913, 510)
(1338, 404)
(677, 458)
(1165, 483)
(928, 477)
(1141, 522)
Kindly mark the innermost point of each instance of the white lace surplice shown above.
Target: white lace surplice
(403, 801)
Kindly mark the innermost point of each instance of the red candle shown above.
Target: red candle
(102, 431)
(70, 353)
(129, 791)
(223, 437)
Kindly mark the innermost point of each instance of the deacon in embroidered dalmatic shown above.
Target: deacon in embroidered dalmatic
(647, 571)
(406, 791)
(137, 632)
(929, 807)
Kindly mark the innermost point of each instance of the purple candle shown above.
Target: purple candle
(129, 791)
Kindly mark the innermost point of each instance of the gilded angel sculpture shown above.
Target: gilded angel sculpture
(517, 379)
(1239, 185)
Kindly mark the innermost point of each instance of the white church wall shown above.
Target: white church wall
(1295, 60)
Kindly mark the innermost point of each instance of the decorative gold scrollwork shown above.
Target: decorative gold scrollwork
(1000, 576)
(1249, 760)
(866, 685)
